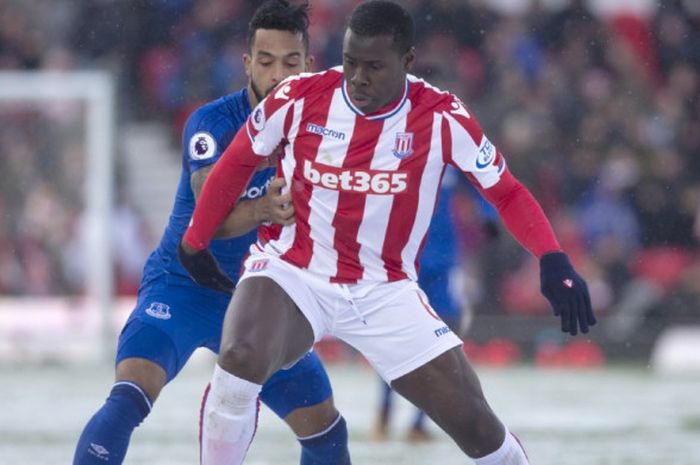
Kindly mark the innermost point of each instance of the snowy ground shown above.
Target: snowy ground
(616, 416)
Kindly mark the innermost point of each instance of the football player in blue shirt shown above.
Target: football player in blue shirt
(173, 315)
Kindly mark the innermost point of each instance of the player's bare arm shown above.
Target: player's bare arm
(274, 207)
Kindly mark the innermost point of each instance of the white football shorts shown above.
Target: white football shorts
(391, 323)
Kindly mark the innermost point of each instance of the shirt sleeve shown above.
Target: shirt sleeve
(468, 148)
(522, 215)
(262, 133)
(268, 123)
(222, 189)
(205, 136)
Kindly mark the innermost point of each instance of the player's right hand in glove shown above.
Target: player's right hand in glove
(203, 268)
(567, 292)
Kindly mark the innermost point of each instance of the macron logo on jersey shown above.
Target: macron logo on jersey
(441, 331)
(354, 180)
(321, 131)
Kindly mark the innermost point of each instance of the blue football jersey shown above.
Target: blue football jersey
(440, 251)
(207, 133)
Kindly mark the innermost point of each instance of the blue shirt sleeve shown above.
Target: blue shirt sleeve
(207, 133)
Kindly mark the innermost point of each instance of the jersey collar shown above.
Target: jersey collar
(384, 112)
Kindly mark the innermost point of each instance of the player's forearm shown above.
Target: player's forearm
(222, 189)
(245, 217)
(522, 215)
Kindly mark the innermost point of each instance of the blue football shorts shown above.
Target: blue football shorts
(173, 317)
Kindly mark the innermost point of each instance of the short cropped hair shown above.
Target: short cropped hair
(381, 17)
(281, 15)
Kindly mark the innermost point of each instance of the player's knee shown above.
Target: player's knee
(246, 360)
(145, 373)
(307, 421)
(326, 411)
(476, 427)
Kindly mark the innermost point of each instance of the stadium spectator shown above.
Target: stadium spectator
(575, 97)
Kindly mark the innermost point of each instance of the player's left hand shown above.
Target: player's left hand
(567, 292)
(203, 268)
(490, 229)
(276, 206)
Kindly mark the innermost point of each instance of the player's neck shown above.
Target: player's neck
(394, 103)
(252, 96)
(391, 103)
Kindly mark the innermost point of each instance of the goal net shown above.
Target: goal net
(56, 189)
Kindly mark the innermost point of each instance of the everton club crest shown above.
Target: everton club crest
(403, 145)
(159, 310)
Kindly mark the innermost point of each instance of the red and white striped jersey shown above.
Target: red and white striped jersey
(364, 187)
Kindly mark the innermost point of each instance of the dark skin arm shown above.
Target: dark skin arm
(273, 207)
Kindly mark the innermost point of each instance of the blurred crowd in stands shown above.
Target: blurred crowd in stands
(597, 114)
(42, 200)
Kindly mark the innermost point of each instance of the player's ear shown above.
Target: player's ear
(308, 62)
(408, 59)
(247, 64)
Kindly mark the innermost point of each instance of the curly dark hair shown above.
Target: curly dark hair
(281, 15)
(381, 17)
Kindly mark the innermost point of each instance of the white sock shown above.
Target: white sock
(510, 453)
(229, 419)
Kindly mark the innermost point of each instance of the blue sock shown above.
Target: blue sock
(382, 427)
(329, 447)
(106, 436)
(386, 398)
(419, 421)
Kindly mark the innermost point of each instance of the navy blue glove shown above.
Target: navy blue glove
(567, 292)
(490, 229)
(204, 270)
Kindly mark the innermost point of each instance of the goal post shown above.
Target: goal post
(96, 90)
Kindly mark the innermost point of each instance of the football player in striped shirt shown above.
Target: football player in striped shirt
(363, 148)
